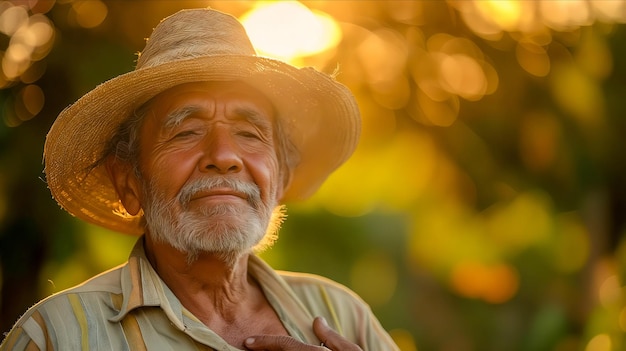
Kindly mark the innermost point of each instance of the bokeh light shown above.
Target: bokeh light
(89, 13)
(601, 342)
(288, 30)
(30, 39)
(493, 283)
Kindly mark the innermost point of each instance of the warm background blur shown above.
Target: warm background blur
(484, 209)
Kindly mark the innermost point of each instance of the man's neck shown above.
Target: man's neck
(219, 292)
(210, 285)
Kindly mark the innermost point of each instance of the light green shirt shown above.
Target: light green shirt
(131, 308)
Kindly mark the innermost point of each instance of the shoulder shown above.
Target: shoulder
(101, 285)
(344, 310)
(312, 285)
(63, 312)
(325, 297)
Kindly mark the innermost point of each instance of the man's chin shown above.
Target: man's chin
(229, 258)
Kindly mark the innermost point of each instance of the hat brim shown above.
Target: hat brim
(319, 115)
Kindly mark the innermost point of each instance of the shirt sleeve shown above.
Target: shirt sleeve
(40, 327)
(27, 335)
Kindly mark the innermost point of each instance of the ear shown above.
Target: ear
(126, 184)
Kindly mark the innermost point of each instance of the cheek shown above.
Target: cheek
(266, 174)
(169, 171)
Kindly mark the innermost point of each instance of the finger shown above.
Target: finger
(278, 343)
(330, 338)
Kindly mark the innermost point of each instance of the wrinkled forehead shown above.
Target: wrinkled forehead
(233, 97)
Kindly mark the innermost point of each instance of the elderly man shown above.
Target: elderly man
(195, 149)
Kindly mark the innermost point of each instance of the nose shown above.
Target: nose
(220, 153)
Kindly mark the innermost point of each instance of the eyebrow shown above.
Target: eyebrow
(255, 118)
(176, 117)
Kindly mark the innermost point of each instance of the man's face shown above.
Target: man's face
(210, 174)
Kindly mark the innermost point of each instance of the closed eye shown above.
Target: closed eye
(184, 134)
(250, 135)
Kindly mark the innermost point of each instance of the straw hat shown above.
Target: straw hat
(319, 115)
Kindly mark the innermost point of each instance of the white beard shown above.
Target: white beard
(225, 230)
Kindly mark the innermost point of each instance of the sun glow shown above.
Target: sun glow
(288, 30)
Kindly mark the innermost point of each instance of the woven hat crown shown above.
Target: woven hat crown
(192, 33)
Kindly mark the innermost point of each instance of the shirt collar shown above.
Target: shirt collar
(142, 287)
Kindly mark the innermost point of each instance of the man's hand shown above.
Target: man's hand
(330, 340)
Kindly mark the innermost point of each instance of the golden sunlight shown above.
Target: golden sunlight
(288, 30)
(601, 342)
(506, 13)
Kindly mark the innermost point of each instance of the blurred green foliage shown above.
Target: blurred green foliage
(484, 209)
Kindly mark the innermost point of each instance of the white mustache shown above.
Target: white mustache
(250, 190)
